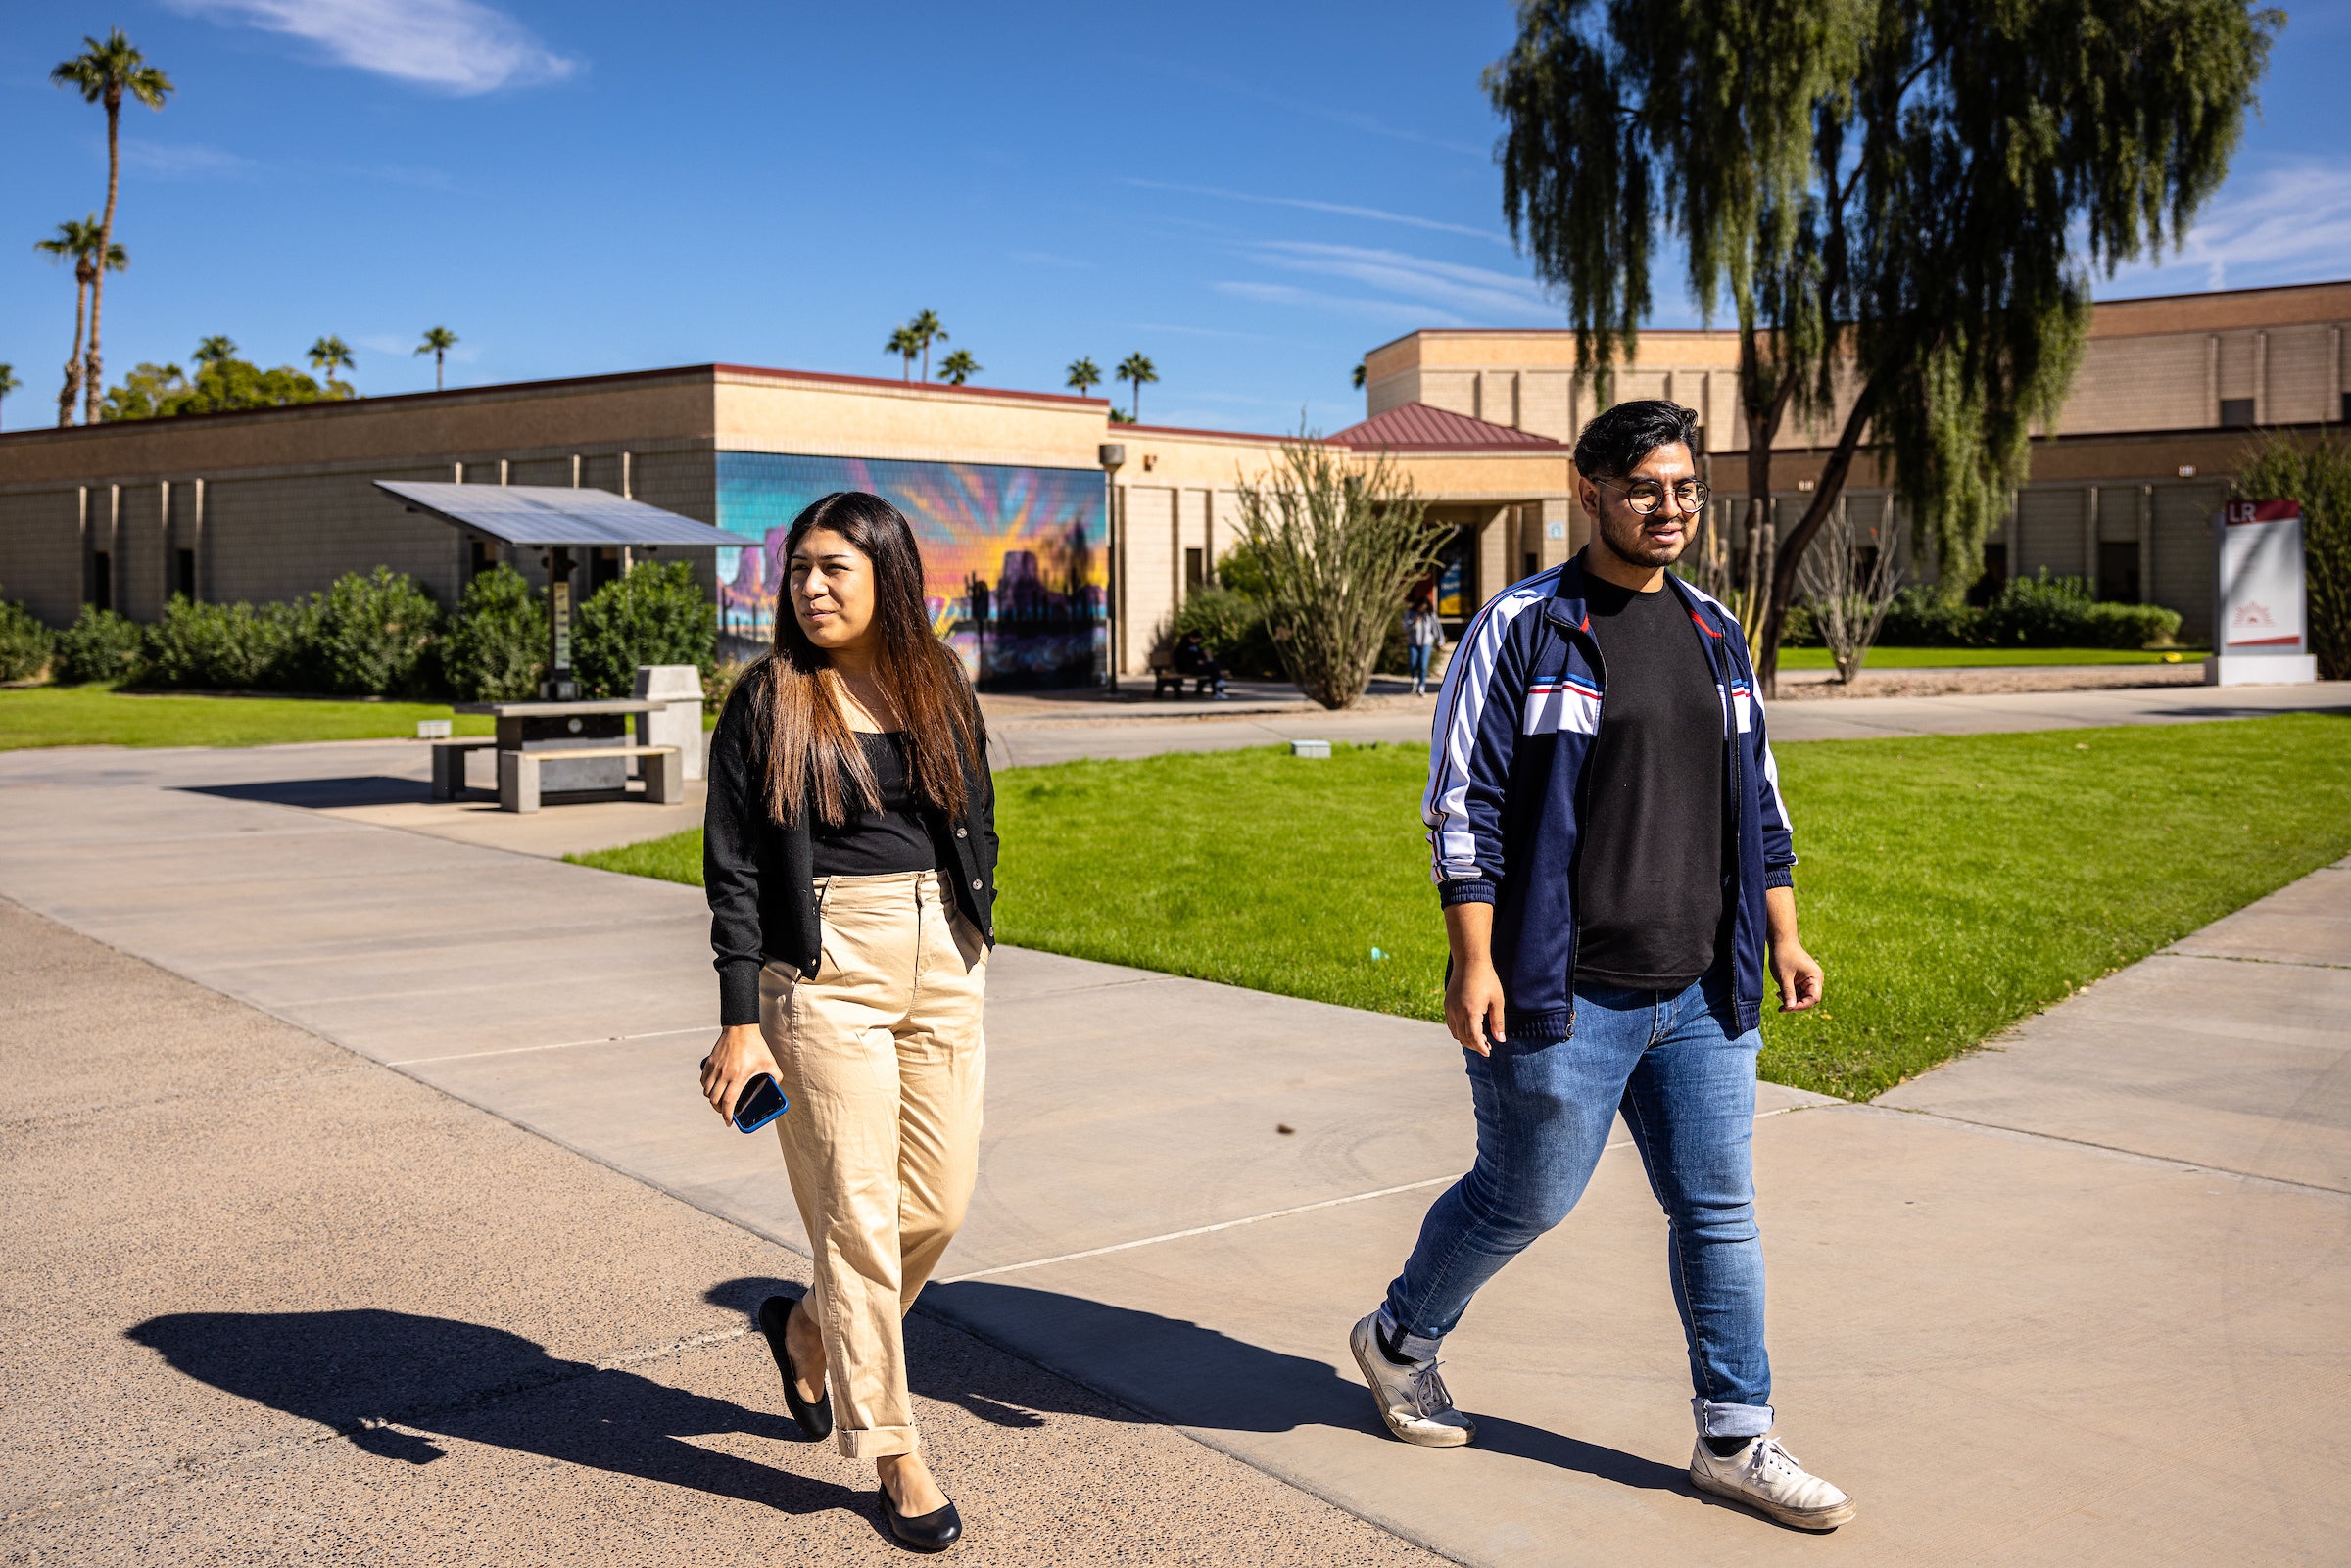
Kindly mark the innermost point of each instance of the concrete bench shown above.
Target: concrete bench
(518, 772)
(449, 765)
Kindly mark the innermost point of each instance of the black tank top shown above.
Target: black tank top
(877, 843)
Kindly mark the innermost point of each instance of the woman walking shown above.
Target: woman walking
(849, 855)
(1424, 637)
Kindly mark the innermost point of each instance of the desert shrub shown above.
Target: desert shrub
(227, 648)
(1234, 628)
(376, 635)
(25, 645)
(652, 615)
(100, 645)
(1921, 618)
(496, 649)
(2317, 472)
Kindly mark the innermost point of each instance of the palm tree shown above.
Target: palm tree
(905, 345)
(1139, 369)
(79, 239)
(8, 381)
(215, 348)
(958, 367)
(438, 341)
(104, 72)
(927, 330)
(329, 355)
(1084, 375)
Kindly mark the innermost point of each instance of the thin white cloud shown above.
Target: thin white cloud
(177, 159)
(1336, 209)
(1466, 294)
(456, 46)
(2287, 225)
(1343, 304)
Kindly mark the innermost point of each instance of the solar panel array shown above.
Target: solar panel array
(554, 514)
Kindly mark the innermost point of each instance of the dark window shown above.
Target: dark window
(102, 580)
(2118, 571)
(2346, 414)
(1995, 576)
(2236, 413)
(603, 567)
(481, 555)
(184, 573)
(1195, 568)
(1534, 564)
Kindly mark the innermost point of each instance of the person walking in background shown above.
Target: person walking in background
(849, 856)
(1424, 636)
(1615, 869)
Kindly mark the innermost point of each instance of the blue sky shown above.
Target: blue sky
(1250, 194)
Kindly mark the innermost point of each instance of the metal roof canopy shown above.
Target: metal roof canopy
(541, 517)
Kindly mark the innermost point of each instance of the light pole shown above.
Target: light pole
(1113, 455)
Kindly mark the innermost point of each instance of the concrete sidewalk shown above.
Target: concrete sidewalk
(2011, 1340)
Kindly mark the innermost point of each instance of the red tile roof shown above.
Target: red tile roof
(1417, 427)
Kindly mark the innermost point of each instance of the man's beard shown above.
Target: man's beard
(1632, 546)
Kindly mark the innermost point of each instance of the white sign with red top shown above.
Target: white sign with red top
(2257, 601)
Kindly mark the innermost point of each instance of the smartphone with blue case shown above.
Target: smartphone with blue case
(760, 1103)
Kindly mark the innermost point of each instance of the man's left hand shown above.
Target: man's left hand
(1797, 975)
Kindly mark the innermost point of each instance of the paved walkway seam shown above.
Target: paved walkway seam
(2184, 1167)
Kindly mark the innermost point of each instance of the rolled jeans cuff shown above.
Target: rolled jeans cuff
(1417, 1346)
(877, 1442)
(1730, 1420)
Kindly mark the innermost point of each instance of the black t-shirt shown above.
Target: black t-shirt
(876, 843)
(1651, 875)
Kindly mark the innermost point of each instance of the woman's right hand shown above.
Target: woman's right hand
(740, 1056)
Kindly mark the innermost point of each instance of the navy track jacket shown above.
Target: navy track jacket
(1506, 766)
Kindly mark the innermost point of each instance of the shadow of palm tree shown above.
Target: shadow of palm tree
(358, 1369)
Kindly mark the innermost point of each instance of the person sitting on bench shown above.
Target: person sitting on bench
(1193, 660)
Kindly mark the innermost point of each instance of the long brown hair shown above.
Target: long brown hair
(811, 754)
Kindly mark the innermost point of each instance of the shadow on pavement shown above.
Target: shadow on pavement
(318, 795)
(1165, 1369)
(355, 1369)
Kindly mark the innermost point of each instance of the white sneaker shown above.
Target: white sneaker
(1767, 1478)
(1412, 1400)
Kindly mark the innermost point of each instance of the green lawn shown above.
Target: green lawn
(96, 716)
(1951, 884)
(1976, 658)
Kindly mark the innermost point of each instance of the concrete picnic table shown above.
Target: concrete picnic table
(540, 733)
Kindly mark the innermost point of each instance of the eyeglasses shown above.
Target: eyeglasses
(1646, 496)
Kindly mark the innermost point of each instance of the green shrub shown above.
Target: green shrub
(2033, 612)
(1234, 628)
(652, 615)
(100, 645)
(229, 647)
(376, 635)
(25, 645)
(2318, 474)
(496, 649)
(1798, 630)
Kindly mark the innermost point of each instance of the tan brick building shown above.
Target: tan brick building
(2122, 491)
(1031, 529)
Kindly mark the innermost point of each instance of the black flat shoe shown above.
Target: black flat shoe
(816, 1420)
(934, 1531)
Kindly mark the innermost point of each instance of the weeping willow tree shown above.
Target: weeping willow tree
(1904, 202)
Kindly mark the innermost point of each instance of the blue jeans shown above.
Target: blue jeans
(1687, 1087)
(1415, 655)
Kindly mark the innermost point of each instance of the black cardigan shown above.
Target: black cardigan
(756, 870)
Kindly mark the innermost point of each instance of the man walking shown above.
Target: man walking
(1614, 865)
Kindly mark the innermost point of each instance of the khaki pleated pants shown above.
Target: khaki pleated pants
(883, 1059)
